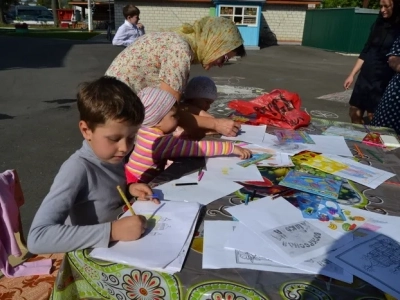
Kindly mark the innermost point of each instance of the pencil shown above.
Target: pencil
(374, 155)
(125, 200)
(281, 193)
(359, 151)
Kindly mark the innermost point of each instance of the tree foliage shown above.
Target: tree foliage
(349, 3)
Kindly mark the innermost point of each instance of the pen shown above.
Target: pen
(125, 200)
(366, 128)
(359, 151)
(188, 183)
(200, 174)
(247, 199)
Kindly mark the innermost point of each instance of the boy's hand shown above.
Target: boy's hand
(242, 153)
(139, 25)
(142, 191)
(128, 229)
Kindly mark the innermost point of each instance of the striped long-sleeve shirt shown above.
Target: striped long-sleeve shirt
(153, 148)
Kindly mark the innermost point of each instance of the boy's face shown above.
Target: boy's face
(133, 20)
(111, 141)
(202, 103)
(170, 122)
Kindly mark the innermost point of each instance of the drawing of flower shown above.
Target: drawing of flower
(143, 285)
(225, 296)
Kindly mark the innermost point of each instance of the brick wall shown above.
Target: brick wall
(156, 16)
(285, 21)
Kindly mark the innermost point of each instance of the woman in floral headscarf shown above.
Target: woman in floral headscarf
(163, 59)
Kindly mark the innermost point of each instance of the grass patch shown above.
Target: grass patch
(51, 34)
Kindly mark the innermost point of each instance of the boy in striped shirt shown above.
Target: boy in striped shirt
(155, 143)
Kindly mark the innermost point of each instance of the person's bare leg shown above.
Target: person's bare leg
(356, 115)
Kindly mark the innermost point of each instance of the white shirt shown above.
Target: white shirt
(126, 34)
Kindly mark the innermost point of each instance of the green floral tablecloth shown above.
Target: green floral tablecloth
(82, 277)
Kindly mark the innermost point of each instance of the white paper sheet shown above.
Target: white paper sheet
(169, 225)
(207, 190)
(228, 169)
(215, 256)
(277, 159)
(347, 133)
(296, 239)
(376, 259)
(323, 144)
(249, 242)
(360, 173)
(249, 133)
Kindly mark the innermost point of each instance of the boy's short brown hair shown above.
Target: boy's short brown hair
(130, 11)
(107, 98)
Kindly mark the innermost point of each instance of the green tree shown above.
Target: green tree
(45, 3)
(350, 3)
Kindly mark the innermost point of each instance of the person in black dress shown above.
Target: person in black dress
(375, 73)
(388, 112)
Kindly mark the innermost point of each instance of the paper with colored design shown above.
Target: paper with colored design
(226, 168)
(327, 187)
(256, 157)
(317, 207)
(347, 133)
(246, 241)
(325, 164)
(216, 256)
(169, 226)
(276, 159)
(292, 136)
(360, 173)
(283, 228)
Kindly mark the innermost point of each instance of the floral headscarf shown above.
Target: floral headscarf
(210, 38)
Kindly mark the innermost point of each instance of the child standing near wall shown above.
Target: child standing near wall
(128, 32)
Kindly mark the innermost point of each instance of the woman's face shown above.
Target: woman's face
(386, 8)
(220, 61)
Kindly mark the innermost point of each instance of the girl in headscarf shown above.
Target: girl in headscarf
(375, 73)
(163, 60)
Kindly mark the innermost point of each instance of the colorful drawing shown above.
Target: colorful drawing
(327, 187)
(292, 136)
(254, 159)
(317, 207)
(374, 139)
(325, 164)
(347, 133)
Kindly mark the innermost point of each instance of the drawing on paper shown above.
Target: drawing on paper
(156, 224)
(298, 238)
(248, 258)
(325, 164)
(358, 172)
(385, 253)
(327, 265)
(292, 136)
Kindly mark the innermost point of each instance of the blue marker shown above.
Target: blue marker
(247, 199)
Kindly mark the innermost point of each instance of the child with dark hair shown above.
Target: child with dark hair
(128, 32)
(82, 205)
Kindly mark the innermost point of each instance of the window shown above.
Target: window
(240, 15)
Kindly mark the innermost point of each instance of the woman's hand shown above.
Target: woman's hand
(394, 63)
(347, 83)
(226, 127)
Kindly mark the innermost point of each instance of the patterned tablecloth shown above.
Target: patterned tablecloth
(82, 277)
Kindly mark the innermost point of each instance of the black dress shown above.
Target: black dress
(375, 73)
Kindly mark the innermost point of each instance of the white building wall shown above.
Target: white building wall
(285, 21)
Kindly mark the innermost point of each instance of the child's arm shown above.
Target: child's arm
(121, 37)
(140, 26)
(48, 234)
(170, 146)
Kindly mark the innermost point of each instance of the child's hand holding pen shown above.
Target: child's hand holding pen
(241, 152)
(143, 192)
(128, 228)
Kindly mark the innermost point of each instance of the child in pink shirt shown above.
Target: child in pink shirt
(155, 143)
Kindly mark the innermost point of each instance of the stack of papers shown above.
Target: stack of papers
(164, 245)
